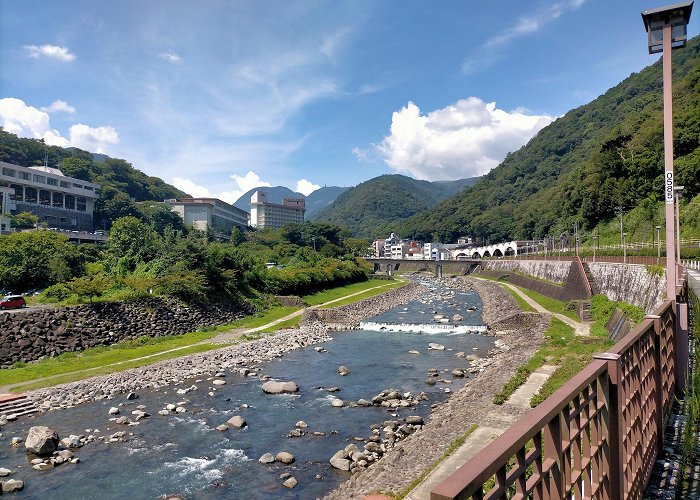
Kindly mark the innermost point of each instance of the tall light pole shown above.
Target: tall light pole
(621, 210)
(624, 248)
(667, 28)
(678, 190)
(658, 245)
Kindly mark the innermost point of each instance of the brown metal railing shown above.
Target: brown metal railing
(596, 437)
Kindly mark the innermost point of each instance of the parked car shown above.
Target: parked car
(12, 302)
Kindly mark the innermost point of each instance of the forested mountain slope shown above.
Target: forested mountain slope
(604, 154)
(369, 208)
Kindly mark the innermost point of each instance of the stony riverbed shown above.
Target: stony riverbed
(198, 393)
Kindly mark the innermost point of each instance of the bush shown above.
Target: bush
(57, 293)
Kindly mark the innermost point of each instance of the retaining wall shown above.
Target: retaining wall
(555, 271)
(32, 335)
(631, 283)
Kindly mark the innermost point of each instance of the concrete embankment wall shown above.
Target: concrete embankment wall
(564, 280)
(32, 335)
(631, 283)
(554, 271)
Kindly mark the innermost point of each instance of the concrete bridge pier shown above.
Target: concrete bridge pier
(438, 271)
(389, 269)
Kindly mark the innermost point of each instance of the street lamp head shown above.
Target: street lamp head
(678, 189)
(677, 16)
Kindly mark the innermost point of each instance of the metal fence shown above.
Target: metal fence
(598, 436)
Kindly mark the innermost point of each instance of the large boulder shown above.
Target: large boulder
(236, 421)
(41, 440)
(279, 387)
(340, 461)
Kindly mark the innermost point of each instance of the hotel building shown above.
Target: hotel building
(265, 214)
(202, 213)
(59, 201)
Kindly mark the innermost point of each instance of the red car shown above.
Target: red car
(12, 302)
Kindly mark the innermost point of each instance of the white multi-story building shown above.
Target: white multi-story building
(203, 213)
(398, 250)
(59, 201)
(273, 215)
(378, 248)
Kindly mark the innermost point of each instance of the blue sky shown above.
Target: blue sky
(217, 97)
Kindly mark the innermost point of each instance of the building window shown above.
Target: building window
(8, 172)
(40, 179)
(78, 186)
(51, 182)
(44, 197)
(18, 195)
(25, 176)
(88, 188)
(65, 184)
(30, 194)
(81, 204)
(57, 200)
(70, 202)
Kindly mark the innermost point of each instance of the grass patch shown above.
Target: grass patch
(522, 303)
(602, 309)
(456, 443)
(561, 348)
(553, 305)
(105, 370)
(318, 298)
(290, 323)
(259, 319)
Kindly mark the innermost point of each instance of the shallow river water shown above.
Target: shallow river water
(185, 455)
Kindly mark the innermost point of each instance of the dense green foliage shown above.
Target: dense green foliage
(581, 167)
(122, 185)
(140, 260)
(371, 207)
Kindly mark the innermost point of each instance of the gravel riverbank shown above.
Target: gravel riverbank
(245, 355)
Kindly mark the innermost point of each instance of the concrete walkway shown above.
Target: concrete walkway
(582, 329)
(222, 338)
(497, 419)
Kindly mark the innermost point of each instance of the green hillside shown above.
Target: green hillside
(605, 154)
(121, 184)
(371, 207)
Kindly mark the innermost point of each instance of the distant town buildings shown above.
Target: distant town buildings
(396, 248)
(59, 201)
(264, 214)
(205, 213)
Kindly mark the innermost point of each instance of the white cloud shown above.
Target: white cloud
(243, 184)
(530, 24)
(306, 187)
(58, 106)
(462, 140)
(171, 57)
(93, 139)
(26, 121)
(52, 51)
(362, 155)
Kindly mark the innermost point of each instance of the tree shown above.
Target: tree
(24, 220)
(132, 241)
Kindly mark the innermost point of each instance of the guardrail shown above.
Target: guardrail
(598, 436)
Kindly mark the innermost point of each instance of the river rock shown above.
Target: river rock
(343, 370)
(222, 428)
(278, 387)
(413, 352)
(290, 483)
(122, 421)
(219, 382)
(301, 424)
(41, 440)
(267, 458)
(436, 347)
(339, 460)
(131, 396)
(12, 485)
(114, 410)
(458, 373)
(337, 403)
(414, 420)
(16, 441)
(72, 441)
(236, 421)
(4, 472)
(430, 381)
(284, 457)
